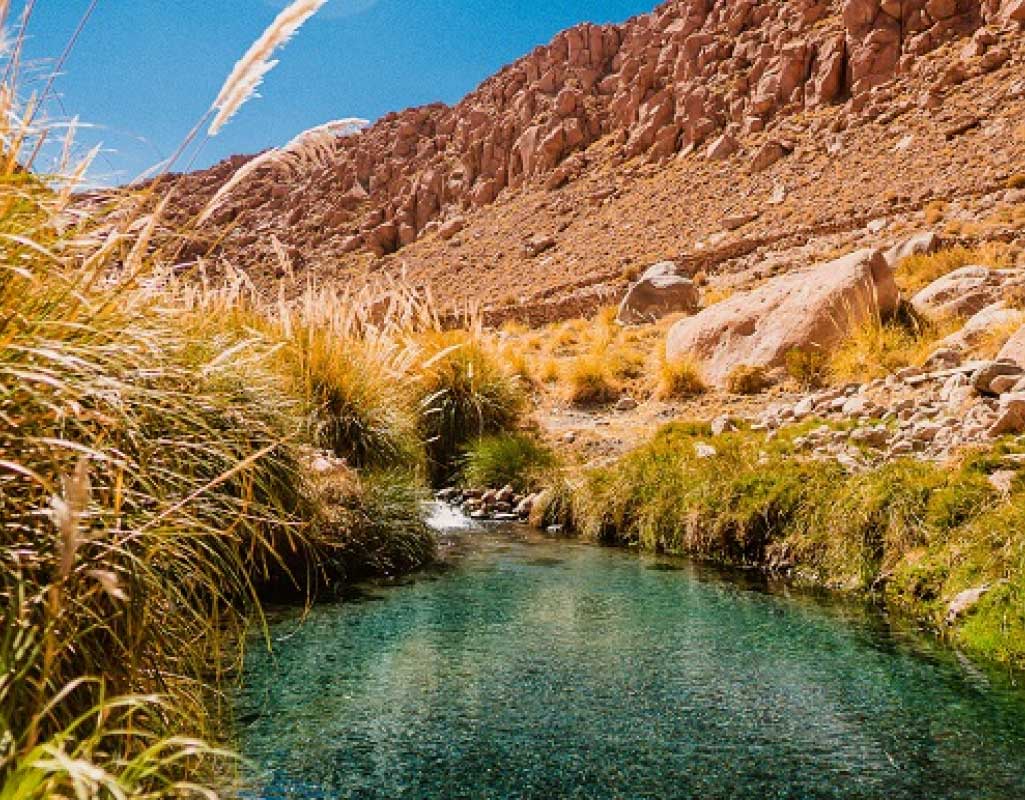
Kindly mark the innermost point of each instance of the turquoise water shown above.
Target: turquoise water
(539, 669)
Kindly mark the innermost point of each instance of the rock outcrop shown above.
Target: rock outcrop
(691, 73)
(810, 310)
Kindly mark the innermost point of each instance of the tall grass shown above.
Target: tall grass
(516, 459)
(463, 394)
(161, 471)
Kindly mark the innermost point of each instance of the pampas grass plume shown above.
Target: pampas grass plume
(250, 71)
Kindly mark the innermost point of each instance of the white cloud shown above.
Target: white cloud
(335, 8)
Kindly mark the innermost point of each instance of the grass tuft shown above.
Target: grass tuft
(463, 394)
(516, 459)
(679, 379)
(589, 381)
(748, 380)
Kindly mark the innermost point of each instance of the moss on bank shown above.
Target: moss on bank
(914, 534)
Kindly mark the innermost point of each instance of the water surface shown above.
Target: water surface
(541, 669)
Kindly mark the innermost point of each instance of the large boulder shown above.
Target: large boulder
(809, 310)
(661, 290)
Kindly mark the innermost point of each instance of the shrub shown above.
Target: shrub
(808, 368)
(511, 458)
(679, 379)
(589, 381)
(374, 523)
(745, 379)
(875, 349)
(358, 409)
(553, 505)
(1016, 181)
(464, 394)
(548, 372)
(935, 211)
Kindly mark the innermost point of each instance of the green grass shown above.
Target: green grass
(912, 533)
(517, 459)
(463, 394)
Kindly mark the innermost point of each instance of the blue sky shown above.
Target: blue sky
(145, 70)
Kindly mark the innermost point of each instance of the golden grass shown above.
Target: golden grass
(935, 211)
(747, 380)
(679, 379)
(875, 349)
(995, 338)
(716, 294)
(588, 380)
(918, 271)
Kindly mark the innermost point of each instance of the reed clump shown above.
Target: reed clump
(517, 459)
(170, 455)
(463, 393)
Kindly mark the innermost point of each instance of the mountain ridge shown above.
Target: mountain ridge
(600, 113)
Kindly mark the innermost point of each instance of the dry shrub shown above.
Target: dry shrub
(716, 294)
(1014, 297)
(1016, 181)
(589, 381)
(935, 211)
(548, 372)
(809, 368)
(679, 379)
(875, 349)
(994, 339)
(746, 379)
(918, 271)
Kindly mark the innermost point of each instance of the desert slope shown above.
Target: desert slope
(727, 134)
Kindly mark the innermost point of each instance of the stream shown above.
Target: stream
(526, 667)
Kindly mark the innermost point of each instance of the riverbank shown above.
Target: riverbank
(942, 542)
(173, 455)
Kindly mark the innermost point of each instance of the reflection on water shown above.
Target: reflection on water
(540, 669)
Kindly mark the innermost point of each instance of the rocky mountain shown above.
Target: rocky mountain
(726, 134)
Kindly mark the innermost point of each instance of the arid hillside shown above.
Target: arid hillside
(733, 136)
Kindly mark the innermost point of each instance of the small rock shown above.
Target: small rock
(735, 221)
(723, 424)
(703, 451)
(944, 358)
(536, 245)
(856, 406)
(626, 403)
(1011, 416)
(1002, 384)
(804, 407)
(925, 431)
(983, 377)
(1002, 480)
(964, 602)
